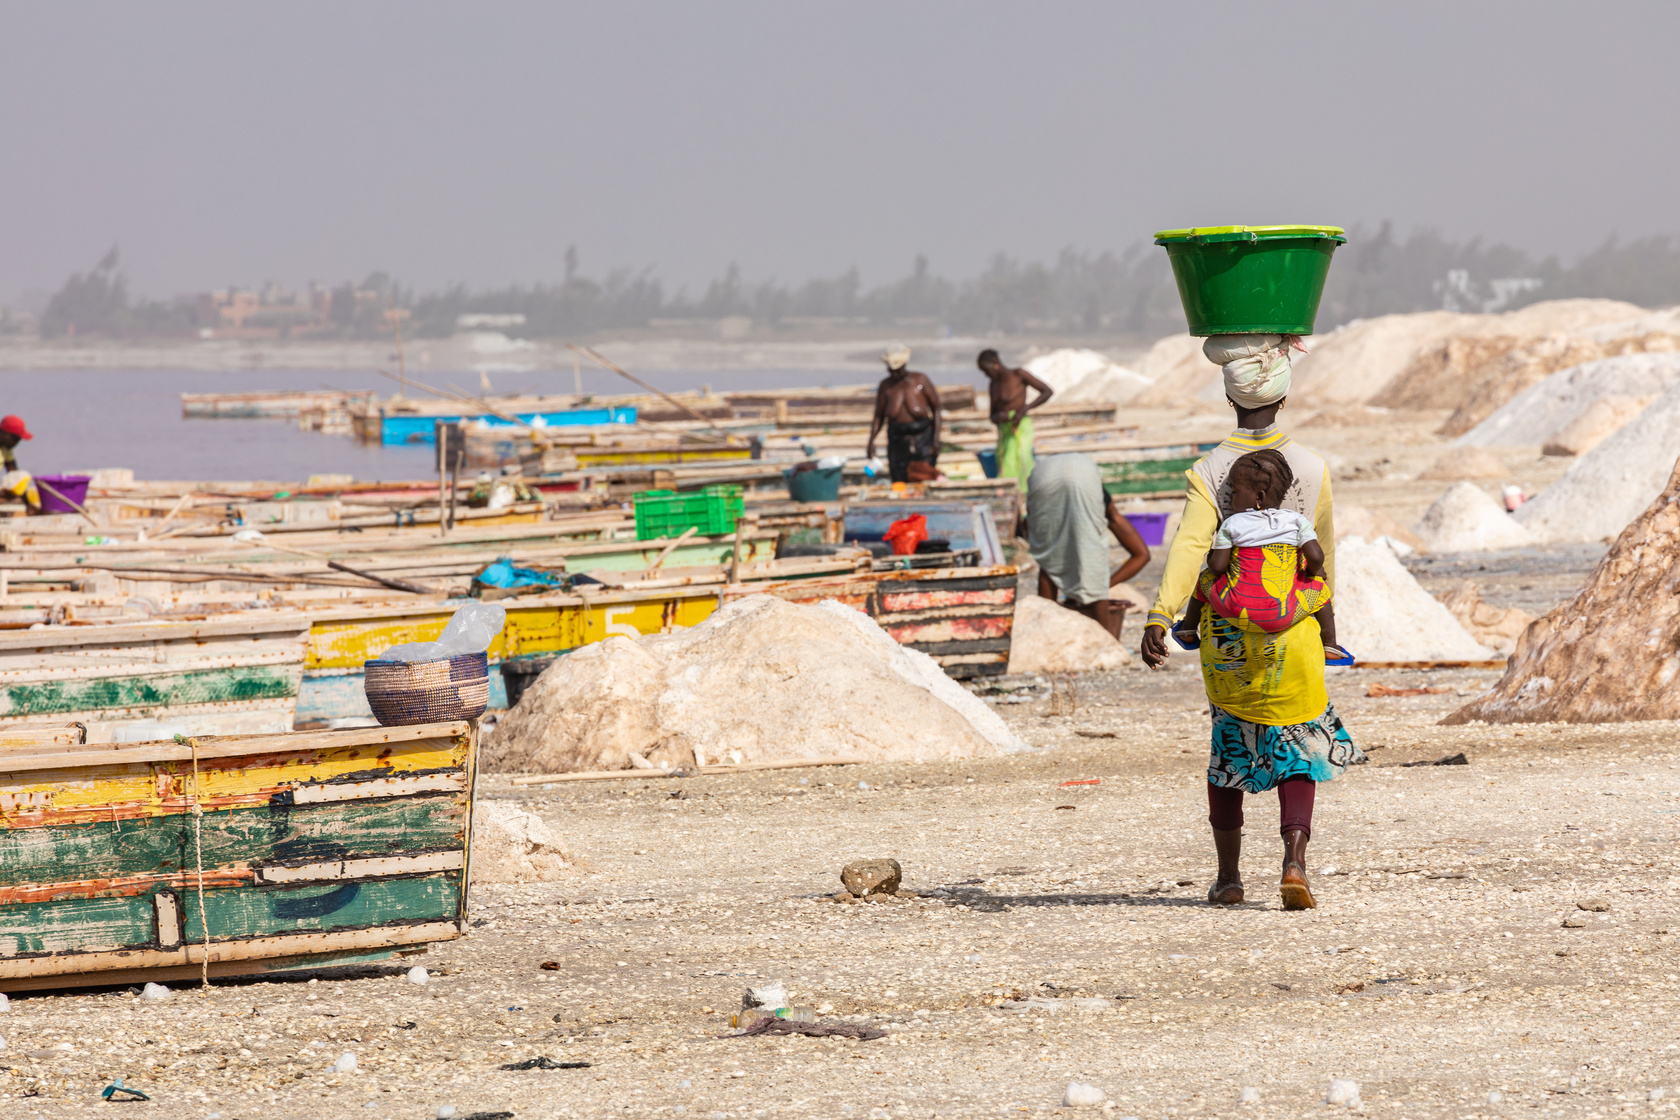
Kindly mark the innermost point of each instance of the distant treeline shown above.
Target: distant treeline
(1078, 293)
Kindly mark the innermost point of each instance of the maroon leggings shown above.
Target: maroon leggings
(1295, 802)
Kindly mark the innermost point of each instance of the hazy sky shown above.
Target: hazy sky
(234, 143)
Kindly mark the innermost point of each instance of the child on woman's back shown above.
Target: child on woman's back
(1266, 568)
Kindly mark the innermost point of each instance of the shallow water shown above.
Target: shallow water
(88, 419)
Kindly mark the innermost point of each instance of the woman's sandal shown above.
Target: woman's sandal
(1188, 639)
(1226, 894)
(1296, 894)
(1336, 655)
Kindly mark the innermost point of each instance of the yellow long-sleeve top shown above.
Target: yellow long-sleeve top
(1204, 509)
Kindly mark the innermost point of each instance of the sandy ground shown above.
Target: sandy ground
(1435, 972)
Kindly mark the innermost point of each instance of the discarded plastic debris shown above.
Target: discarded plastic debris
(770, 996)
(1249, 1095)
(545, 1062)
(772, 1025)
(471, 629)
(1083, 782)
(154, 991)
(5, 1003)
(797, 1014)
(117, 1091)
(1081, 1095)
(445, 1112)
(346, 1064)
(418, 975)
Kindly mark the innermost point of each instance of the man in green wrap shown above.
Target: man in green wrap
(1008, 391)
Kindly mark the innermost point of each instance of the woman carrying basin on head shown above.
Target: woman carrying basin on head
(1273, 724)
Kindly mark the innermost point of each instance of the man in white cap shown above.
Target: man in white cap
(908, 404)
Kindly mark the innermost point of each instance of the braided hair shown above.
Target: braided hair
(1268, 471)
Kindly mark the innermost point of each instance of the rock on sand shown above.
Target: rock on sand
(510, 845)
(1049, 638)
(1383, 614)
(1467, 519)
(764, 677)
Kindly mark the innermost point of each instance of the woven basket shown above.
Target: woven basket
(410, 692)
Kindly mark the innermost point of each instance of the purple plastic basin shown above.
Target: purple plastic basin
(1152, 527)
(72, 486)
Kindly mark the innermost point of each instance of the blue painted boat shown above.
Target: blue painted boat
(400, 430)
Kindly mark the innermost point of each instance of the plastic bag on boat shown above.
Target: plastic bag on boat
(471, 630)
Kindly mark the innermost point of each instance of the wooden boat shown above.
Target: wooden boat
(961, 617)
(231, 855)
(234, 674)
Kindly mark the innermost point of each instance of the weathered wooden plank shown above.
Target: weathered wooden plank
(364, 868)
(316, 794)
(251, 623)
(134, 977)
(217, 747)
(92, 857)
(236, 914)
(150, 692)
(70, 795)
(946, 598)
(932, 632)
(89, 964)
(77, 925)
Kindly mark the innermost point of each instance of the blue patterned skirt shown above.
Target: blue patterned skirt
(1255, 757)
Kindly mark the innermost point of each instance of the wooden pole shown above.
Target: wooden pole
(672, 547)
(590, 353)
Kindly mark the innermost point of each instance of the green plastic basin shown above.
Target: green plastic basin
(1250, 279)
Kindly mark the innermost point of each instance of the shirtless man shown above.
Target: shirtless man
(908, 404)
(1009, 412)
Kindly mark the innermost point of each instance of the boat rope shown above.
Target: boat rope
(198, 847)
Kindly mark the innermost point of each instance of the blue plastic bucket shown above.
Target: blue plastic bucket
(988, 462)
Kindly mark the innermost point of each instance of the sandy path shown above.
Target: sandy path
(1450, 888)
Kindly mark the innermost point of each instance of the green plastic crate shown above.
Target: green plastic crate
(666, 513)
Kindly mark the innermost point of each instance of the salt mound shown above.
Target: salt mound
(1049, 638)
(1467, 519)
(1541, 411)
(1495, 627)
(763, 677)
(1085, 375)
(510, 845)
(1369, 524)
(1178, 374)
(1605, 489)
(1602, 419)
(1607, 654)
(1353, 363)
(1474, 462)
(1382, 614)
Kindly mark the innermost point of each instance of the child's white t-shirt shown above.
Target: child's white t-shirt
(1255, 527)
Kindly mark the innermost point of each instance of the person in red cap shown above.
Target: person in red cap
(14, 481)
(12, 430)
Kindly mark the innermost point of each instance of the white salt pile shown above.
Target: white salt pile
(1049, 638)
(1471, 462)
(510, 845)
(1178, 374)
(1370, 524)
(763, 679)
(1605, 489)
(1382, 614)
(1085, 375)
(1541, 411)
(1467, 519)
